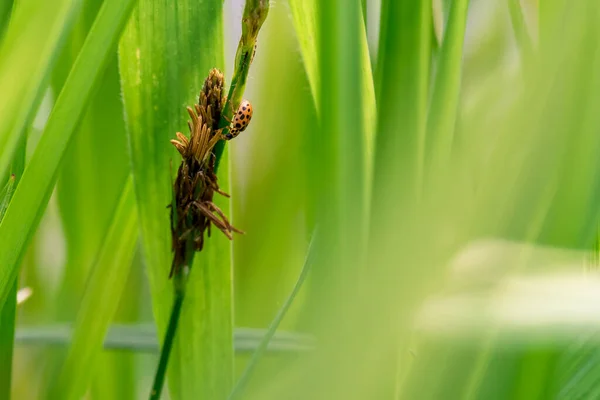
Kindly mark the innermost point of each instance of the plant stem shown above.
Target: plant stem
(255, 13)
(159, 378)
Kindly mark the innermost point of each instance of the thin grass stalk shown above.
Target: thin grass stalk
(255, 14)
(243, 381)
(165, 352)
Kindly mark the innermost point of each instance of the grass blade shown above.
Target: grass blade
(524, 42)
(32, 194)
(100, 300)
(164, 56)
(29, 49)
(305, 14)
(5, 11)
(238, 390)
(441, 118)
(402, 88)
(8, 310)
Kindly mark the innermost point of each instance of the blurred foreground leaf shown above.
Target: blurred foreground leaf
(32, 194)
(100, 300)
(29, 49)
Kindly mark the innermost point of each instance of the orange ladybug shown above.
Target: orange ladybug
(240, 121)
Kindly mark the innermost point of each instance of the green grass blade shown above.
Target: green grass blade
(402, 88)
(517, 18)
(165, 54)
(304, 16)
(238, 390)
(341, 151)
(32, 194)
(6, 194)
(100, 300)
(29, 49)
(443, 108)
(5, 11)
(7, 311)
(402, 92)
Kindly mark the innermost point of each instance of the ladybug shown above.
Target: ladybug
(241, 119)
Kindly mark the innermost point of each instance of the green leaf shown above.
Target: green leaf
(5, 11)
(29, 49)
(517, 18)
(100, 300)
(335, 53)
(305, 14)
(165, 54)
(6, 194)
(445, 94)
(8, 310)
(402, 89)
(32, 194)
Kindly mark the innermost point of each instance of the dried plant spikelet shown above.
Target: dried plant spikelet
(192, 115)
(204, 149)
(182, 138)
(180, 147)
(212, 142)
(212, 95)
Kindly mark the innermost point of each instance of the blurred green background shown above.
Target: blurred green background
(445, 152)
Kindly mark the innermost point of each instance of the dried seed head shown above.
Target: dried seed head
(193, 211)
(212, 98)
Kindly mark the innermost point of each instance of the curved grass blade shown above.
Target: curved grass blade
(32, 194)
(100, 300)
(29, 49)
(238, 390)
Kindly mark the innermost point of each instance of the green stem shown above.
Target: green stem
(159, 378)
(255, 13)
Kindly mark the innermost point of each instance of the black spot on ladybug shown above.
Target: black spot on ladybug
(244, 108)
(238, 125)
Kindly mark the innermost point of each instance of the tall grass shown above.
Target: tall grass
(453, 179)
